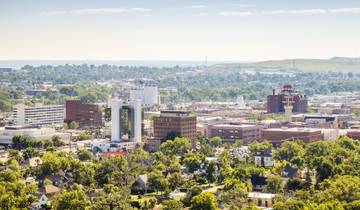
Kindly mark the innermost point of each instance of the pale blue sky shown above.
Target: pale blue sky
(179, 29)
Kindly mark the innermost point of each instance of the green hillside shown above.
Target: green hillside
(336, 64)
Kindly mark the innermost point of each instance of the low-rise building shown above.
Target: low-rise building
(231, 133)
(7, 133)
(262, 200)
(277, 135)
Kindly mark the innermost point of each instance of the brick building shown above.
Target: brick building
(275, 102)
(172, 124)
(278, 135)
(231, 133)
(83, 114)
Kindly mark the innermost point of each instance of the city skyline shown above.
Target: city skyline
(179, 30)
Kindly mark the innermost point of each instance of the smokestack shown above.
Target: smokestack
(273, 91)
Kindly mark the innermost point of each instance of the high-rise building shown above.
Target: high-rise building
(173, 123)
(39, 115)
(126, 127)
(85, 115)
(149, 96)
(276, 102)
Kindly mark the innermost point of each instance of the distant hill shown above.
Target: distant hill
(336, 64)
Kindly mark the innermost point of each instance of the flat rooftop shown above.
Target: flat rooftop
(233, 126)
(293, 129)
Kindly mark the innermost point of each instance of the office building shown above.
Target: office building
(231, 133)
(85, 115)
(33, 132)
(172, 124)
(149, 96)
(39, 115)
(126, 127)
(277, 135)
(276, 102)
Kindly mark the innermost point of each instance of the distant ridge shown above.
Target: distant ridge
(336, 64)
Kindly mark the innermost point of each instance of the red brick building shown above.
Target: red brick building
(172, 124)
(83, 114)
(231, 133)
(278, 135)
(275, 102)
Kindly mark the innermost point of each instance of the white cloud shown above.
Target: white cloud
(292, 12)
(101, 11)
(200, 14)
(345, 10)
(242, 5)
(235, 13)
(199, 6)
(305, 11)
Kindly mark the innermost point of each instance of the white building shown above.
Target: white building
(7, 133)
(264, 159)
(125, 127)
(39, 115)
(149, 96)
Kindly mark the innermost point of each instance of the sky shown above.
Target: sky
(239, 30)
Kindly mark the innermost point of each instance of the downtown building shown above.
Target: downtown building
(39, 115)
(276, 102)
(232, 133)
(278, 135)
(171, 124)
(85, 115)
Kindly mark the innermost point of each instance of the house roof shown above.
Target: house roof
(51, 189)
(290, 171)
(261, 195)
(114, 154)
(258, 180)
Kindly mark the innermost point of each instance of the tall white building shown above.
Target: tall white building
(149, 96)
(125, 127)
(39, 115)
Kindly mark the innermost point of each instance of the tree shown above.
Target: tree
(84, 155)
(192, 161)
(343, 188)
(21, 142)
(210, 172)
(179, 146)
(235, 195)
(56, 140)
(172, 205)
(73, 125)
(295, 184)
(289, 205)
(274, 184)
(215, 141)
(30, 152)
(115, 171)
(256, 147)
(73, 199)
(175, 180)
(290, 151)
(158, 182)
(83, 136)
(204, 201)
(112, 197)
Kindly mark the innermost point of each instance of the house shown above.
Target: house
(50, 190)
(141, 184)
(33, 162)
(290, 172)
(262, 200)
(41, 203)
(264, 159)
(258, 182)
